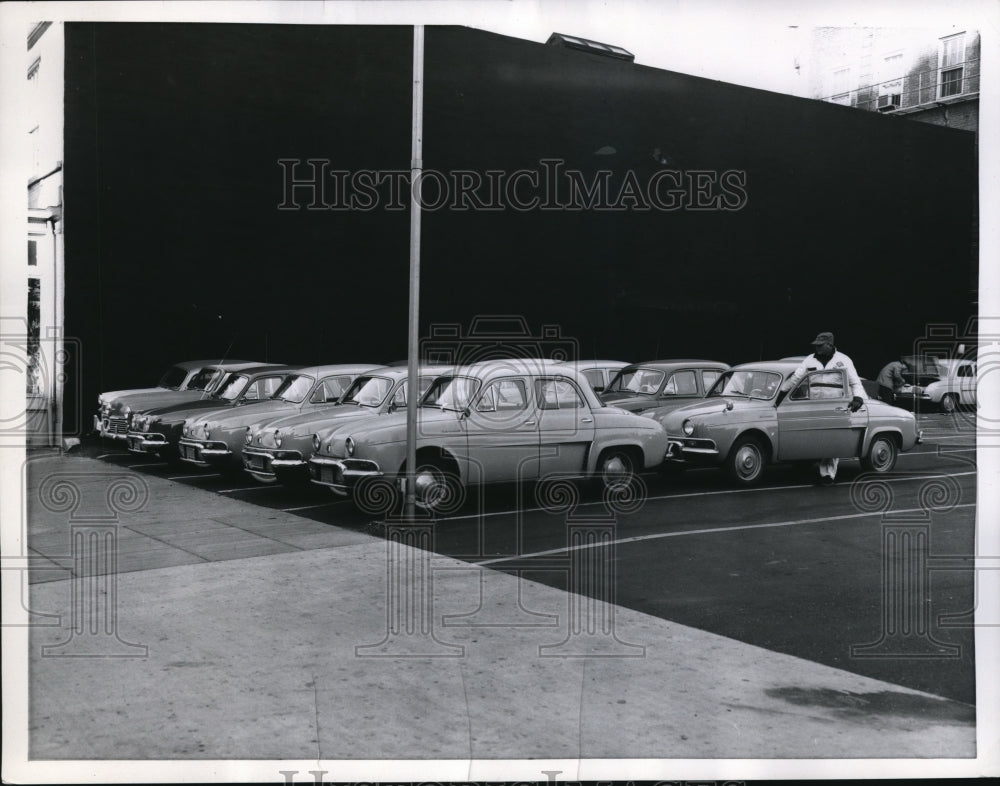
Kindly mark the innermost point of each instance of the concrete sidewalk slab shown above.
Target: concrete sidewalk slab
(255, 656)
(256, 659)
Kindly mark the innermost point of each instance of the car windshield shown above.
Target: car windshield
(295, 388)
(202, 379)
(453, 393)
(749, 384)
(233, 387)
(174, 378)
(368, 391)
(641, 381)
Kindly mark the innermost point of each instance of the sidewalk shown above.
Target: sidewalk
(249, 620)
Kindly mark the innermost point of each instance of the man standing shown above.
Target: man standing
(890, 379)
(826, 356)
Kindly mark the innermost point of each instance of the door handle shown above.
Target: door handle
(528, 423)
(586, 420)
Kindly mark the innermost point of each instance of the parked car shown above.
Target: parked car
(159, 430)
(217, 437)
(279, 449)
(660, 383)
(599, 373)
(954, 386)
(737, 425)
(494, 421)
(188, 381)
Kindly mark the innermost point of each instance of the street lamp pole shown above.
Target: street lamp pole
(416, 167)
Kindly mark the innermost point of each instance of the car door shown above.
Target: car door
(814, 421)
(566, 426)
(966, 378)
(502, 432)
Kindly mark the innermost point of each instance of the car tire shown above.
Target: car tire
(615, 469)
(882, 454)
(949, 403)
(746, 461)
(437, 487)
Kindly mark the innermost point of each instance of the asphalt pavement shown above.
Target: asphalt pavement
(180, 614)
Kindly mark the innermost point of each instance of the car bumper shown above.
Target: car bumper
(146, 443)
(686, 449)
(203, 454)
(342, 475)
(272, 463)
(111, 427)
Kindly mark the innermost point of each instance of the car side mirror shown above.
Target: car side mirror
(729, 406)
(465, 413)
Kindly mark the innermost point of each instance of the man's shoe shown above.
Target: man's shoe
(826, 480)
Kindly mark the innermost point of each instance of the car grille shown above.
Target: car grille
(117, 426)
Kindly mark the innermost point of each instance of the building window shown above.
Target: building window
(32, 253)
(952, 66)
(890, 88)
(34, 370)
(841, 93)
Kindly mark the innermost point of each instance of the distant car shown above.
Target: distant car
(494, 421)
(216, 437)
(159, 431)
(738, 427)
(187, 381)
(599, 373)
(659, 383)
(954, 387)
(279, 449)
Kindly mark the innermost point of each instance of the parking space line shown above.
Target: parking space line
(248, 488)
(709, 531)
(201, 475)
(707, 494)
(113, 455)
(320, 505)
(153, 464)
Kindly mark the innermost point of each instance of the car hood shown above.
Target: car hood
(309, 420)
(392, 426)
(246, 414)
(672, 417)
(615, 417)
(164, 397)
(619, 398)
(110, 395)
(187, 410)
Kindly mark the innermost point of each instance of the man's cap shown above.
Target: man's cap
(823, 338)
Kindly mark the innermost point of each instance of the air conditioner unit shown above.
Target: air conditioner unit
(888, 103)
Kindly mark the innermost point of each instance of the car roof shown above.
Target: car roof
(400, 372)
(784, 366)
(669, 365)
(594, 363)
(517, 364)
(261, 369)
(338, 368)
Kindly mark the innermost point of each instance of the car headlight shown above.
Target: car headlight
(206, 431)
(349, 446)
(277, 438)
(127, 412)
(316, 443)
(687, 427)
(248, 437)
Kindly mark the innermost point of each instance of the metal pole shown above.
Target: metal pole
(416, 166)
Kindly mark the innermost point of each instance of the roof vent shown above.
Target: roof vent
(586, 45)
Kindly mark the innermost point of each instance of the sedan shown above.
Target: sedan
(744, 424)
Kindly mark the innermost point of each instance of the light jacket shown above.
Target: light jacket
(838, 361)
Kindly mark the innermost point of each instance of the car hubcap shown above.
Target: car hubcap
(748, 462)
(616, 471)
(881, 455)
(430, 489)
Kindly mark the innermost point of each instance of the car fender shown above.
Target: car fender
(768, 435)
(872, 432)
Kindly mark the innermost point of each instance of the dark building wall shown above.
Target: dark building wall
(176, 248)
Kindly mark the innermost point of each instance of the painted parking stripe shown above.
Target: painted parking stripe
(151, 464)
(200, 475)
(114, 455)
(320, 505)
(248, 488)
(708, 494)
(711, 530)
